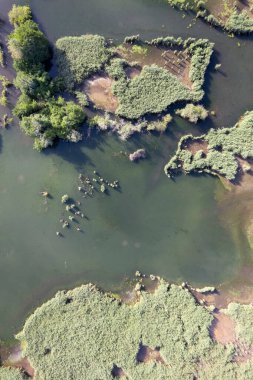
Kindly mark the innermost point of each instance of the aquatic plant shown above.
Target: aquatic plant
(79, 57)
(160, 125)
(223, 147)
(154, 89)
(150, 92)
(193, 113)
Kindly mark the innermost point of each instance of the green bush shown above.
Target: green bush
(19, 14)
(193, 113)
(150, 92)
(79, 57)
(29, 47)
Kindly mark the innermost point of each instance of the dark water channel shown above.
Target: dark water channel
(173, 229)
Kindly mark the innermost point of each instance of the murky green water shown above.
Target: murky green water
(153, 224)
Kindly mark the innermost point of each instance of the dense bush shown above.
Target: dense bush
(19, 14)
(79, 57)
(43, 115)
(11, 374)
(29, 47)
(150, 92)
(193, 113)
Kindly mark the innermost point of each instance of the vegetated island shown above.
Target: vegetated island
(121, 83)
(225, 152)
(173, 332)
(234, 16)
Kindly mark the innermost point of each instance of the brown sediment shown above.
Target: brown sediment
(197, 145)
(223, 329)
(99, 91)
(147, 354)
(12, 357)
(176, 61)
(222, 10)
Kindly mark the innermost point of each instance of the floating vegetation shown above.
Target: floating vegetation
(64, 198)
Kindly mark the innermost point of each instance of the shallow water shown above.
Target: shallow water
(173, 229)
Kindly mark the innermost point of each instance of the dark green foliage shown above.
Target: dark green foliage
(79, 57)
(42, 114)
(29, 47)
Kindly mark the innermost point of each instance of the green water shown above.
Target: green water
(153, 224)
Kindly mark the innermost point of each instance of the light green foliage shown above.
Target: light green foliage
(83, 333)
(188, 4)
(79, 57)
(28, 46)
(239, 22)
(11, 374)
(243, 318)
(160, 125)
(42, 115)
(116, 68)
(19, 14)
(224, 145)
(5, 83)
(155, 88)
(139, 49)
(193, 113)
(150, 92)
(82, 98)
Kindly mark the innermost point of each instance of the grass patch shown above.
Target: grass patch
(11, 374)
(193, 113)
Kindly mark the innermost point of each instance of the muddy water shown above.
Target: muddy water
(173, 229)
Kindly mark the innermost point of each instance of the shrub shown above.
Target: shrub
(19, 14)
(29, 47)
(193, 113)
(150, 92)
